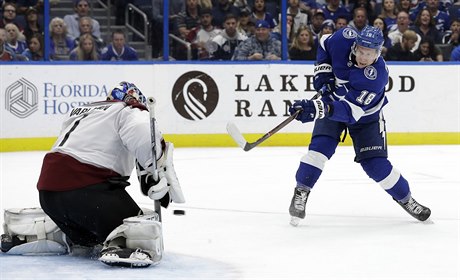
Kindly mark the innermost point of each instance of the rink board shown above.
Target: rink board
(255, 97)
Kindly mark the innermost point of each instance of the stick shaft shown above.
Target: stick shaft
(239, 139)
(151, 103)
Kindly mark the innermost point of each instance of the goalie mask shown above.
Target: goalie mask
(127, 92)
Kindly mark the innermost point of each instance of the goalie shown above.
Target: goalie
(83, 180)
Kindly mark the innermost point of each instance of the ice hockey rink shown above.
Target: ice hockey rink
(237, 224)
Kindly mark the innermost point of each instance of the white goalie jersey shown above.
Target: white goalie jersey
(108, 134)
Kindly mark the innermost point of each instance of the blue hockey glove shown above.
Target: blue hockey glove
(323, 77)
(311, 110)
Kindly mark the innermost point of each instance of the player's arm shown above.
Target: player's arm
(324, 79)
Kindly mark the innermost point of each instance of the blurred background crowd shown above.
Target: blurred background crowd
(114, 30)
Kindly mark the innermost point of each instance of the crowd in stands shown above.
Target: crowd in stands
(414, 30)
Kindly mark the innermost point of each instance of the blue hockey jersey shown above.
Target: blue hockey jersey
(360, 92)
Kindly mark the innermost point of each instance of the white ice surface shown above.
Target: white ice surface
(237, 224)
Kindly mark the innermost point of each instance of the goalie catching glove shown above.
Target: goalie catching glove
(167, 188)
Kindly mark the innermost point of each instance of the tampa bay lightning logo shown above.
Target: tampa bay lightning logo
(349, 33)
(370, 72)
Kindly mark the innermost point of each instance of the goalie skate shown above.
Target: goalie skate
(126, 257)
(297, 207)
(415, 209)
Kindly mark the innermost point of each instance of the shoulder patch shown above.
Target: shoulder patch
(349, 33)
(370, 72)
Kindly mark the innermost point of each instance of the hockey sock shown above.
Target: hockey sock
(389, 178)
(310, 168)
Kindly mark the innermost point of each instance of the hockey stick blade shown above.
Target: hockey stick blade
(235, 133)
(245, 145)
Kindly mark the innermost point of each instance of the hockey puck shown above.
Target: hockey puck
(179, 212)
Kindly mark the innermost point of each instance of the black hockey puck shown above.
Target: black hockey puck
(179, 212)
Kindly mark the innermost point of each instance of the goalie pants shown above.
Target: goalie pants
(89, 214)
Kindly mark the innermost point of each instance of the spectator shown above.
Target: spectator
(202, 36)
(380, 23)
(403, 5)
(24, 5)
(366, 5)
(86, 27)
(317, 22)
(427, 51)
(220, 10)
(176, 7)
(454, 11)
(424, 26)
(261, 46)
(189, 19)
(186, 21)
(441, 18)
(35, 50)
(276, 33)
(340, 22)
(86, 49)
(328, 27)
(299, 17)
(60, 44)
(81, 10)
(416, 7)
(246, 24)
(389, 14)
(452, 35)
(334, 9)
(225, 43)
(118, 49)
(359, 20)
(15, 40)
(303, 46)
(259, 13)
(242, 5)
(5, 53)
(9, 16)
(33, 26)
(308, 7)
(402, 22)
(402, 51)
(454, 56)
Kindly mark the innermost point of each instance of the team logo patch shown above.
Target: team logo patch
(370, 72)
(349, 33)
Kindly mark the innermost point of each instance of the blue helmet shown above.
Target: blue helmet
(126, 92)
(370, 37)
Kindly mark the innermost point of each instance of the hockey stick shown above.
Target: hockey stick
(235, 133)
(239, 139)
(151, 104)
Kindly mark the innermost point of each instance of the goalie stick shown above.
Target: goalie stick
(151, 104)
(235, 133)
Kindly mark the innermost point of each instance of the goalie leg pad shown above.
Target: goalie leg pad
(29, 231)
(137, 242)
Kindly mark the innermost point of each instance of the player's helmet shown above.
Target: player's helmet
(370, 37)
(125, 91)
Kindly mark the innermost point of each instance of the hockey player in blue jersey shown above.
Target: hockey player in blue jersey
(351, 75)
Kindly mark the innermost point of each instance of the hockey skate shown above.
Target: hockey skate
(297, 207)
(116, 256)
(416, 209)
